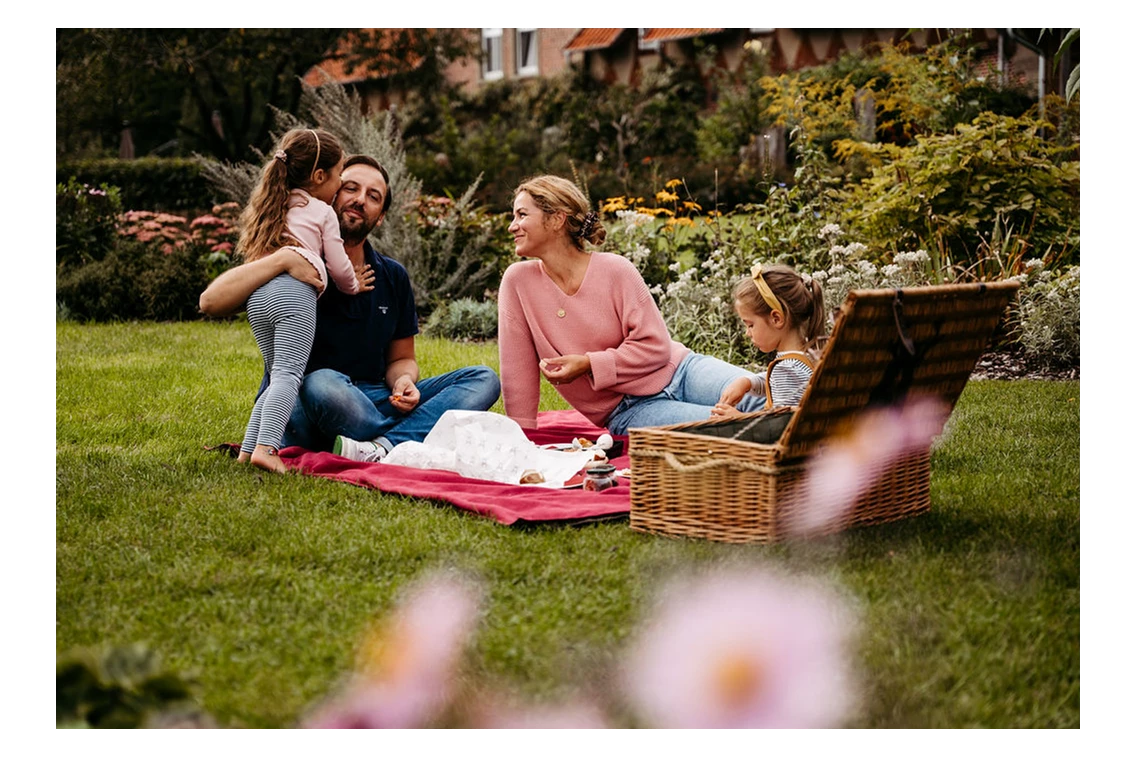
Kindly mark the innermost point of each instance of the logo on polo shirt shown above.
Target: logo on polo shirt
(382, 308)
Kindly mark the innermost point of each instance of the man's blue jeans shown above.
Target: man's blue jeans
(697, 385)
(331, 404)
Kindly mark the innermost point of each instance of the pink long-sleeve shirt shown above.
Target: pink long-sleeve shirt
(314, 225)
(612, 319)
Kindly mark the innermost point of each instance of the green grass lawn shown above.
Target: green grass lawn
(260, 585)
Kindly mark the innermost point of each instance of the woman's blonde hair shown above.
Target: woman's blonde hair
(802, 299)
(554, 194)
(264, 222)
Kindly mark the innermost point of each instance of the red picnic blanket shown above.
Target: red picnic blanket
(505, 503)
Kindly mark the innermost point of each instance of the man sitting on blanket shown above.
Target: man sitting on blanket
(361, 394)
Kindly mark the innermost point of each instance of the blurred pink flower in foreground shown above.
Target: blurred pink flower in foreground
(407, 663)
(849, 464)
(744, 649)
(575, 715)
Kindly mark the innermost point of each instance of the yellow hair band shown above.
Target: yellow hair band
(765, 291)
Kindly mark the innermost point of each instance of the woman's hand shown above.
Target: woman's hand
(565, 368)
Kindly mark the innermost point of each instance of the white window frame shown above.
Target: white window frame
(654, 45)
(491, 39)
(523, 68)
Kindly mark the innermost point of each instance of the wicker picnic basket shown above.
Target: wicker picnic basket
(712, 480)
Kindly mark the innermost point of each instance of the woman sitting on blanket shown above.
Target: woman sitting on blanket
(587, 323)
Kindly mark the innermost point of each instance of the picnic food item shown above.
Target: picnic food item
(600, 477)
(532, 476)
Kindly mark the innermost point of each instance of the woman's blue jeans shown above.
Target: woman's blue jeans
(697, 385)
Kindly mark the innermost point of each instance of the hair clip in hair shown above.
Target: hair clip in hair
(281, 156)
(587, 224)
(765, 291)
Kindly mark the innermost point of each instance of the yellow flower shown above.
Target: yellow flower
(613, 204)
(664, 196)
(672, 183)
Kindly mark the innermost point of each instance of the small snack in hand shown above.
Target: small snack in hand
(532, 476)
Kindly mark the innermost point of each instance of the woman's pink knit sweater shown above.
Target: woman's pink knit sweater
(612, 319)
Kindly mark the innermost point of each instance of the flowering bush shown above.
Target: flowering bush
(1048, 314)
(694, 295)
(85, 219)
(459, 252)
(156, 269)
(214, 234)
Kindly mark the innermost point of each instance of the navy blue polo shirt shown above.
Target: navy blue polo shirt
(353, 332)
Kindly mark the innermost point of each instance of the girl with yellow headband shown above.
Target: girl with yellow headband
(784, 314)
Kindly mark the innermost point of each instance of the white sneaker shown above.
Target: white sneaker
(367, 451)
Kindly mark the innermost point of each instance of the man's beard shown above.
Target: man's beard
(355, 234)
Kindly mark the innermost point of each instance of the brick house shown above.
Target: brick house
(623, 55)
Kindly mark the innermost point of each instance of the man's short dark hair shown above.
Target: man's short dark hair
(367, 160)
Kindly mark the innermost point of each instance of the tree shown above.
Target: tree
(212, 91)
(181, 90)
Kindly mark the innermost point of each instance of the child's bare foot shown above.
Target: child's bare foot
(244, 457)
(267, 458)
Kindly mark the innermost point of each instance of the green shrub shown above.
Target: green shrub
(462, 251)
(1048, 315)
(464, 319)
(122, 688)
(137, 281)
(164, 184)
(950, 193)
(85, 222)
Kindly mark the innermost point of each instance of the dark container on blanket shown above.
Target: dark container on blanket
(599, 478)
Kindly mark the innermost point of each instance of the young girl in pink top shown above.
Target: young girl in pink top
(587, 323)
(291, 207)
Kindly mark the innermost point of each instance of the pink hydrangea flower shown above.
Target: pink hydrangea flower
(407, 663)
(743, 649)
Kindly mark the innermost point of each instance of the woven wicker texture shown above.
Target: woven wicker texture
(718, 480)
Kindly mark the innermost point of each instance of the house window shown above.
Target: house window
(652, 45)
(491, 54)
(526, 48)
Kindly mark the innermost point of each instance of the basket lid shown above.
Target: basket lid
(889, 344)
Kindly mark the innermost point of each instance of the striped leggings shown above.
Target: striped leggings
(282, 313)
